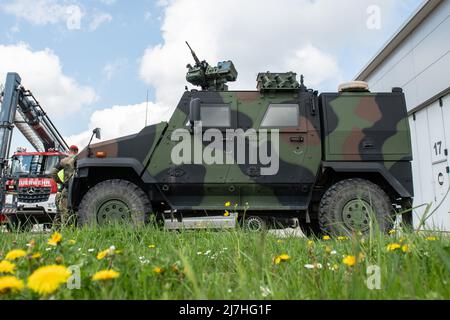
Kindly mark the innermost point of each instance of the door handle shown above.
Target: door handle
(297, 139)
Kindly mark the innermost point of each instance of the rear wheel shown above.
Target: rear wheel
(355, 205)
(114, 201)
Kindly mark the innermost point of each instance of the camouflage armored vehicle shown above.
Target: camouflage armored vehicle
(282, 154)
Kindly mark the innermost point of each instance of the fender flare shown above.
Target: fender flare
(369, 167)
(84, 166)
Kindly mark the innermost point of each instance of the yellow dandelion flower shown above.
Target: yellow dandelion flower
(310, 243)
(152, 246)
(284, 257)
(393, 246)
(226, 214)
(15, 254)
(7, 267)
(47, 279)
(158, 270)
(36, 255)
(342, 238)
(106, 253)
(104, 275)
(281, 258)
(55, 239)
(393, 231)
(326, 238)
(227, 204)
(349, 261)
(405, 248)
(102, 254)
(10, 284)
(431, 239)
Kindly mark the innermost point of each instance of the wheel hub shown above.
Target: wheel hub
(255, 224)
(113, 210)
(356, 215)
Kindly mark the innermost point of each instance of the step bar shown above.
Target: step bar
(208, 222)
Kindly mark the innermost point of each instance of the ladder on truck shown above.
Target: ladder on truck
(19, 108)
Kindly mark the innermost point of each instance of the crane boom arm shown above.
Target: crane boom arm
(19, 107)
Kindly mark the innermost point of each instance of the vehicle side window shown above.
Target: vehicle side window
(281, 116)
(215, 115)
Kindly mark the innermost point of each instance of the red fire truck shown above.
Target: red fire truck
(27, 192)
(30, 191)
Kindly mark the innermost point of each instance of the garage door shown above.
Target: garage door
(440, 166)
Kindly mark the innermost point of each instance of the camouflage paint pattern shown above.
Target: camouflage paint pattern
(344, 127)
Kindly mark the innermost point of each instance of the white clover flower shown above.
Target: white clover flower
(265, 291)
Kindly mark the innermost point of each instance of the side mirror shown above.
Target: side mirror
(98, 133)
(194, 111)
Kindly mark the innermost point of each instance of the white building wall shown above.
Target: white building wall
(421, 66)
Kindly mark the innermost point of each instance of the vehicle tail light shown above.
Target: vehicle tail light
(54, 188)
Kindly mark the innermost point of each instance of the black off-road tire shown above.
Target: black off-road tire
(345, 192)
(131, 195)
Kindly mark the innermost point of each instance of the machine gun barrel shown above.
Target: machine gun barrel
(197, 60)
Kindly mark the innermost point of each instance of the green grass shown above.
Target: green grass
(236, 265)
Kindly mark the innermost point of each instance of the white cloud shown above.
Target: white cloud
(303, 36)
(120, 120)
(99, 19)
(110, 69)
(43, 12)
(318, 65)
(41, 72)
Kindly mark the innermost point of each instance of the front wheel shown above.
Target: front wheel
(355, 205)
(114, 201)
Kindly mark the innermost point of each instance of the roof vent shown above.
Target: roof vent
(354, 86)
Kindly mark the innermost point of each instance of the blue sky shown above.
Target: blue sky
(85, 53)
(121, 49)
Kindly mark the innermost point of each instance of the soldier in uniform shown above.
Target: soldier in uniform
(62, 174)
